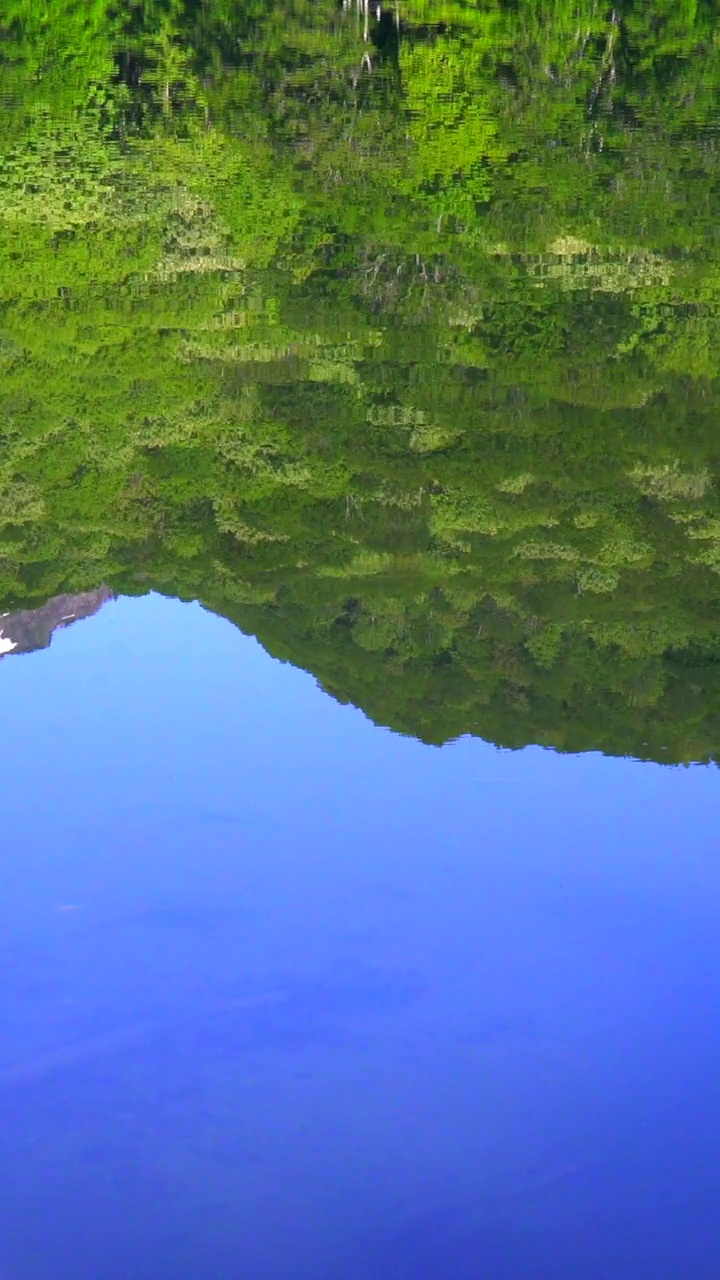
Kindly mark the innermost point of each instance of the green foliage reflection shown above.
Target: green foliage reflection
(389, 335)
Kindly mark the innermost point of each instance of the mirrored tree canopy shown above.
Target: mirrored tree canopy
(388, 333)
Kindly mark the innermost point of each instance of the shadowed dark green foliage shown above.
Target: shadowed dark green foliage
(391, 338)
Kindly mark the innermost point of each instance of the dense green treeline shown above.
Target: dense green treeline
(391, 336)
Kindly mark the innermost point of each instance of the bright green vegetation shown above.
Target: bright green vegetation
(395, 344)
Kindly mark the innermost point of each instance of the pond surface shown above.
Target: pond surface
(359, 640)
(286, 995)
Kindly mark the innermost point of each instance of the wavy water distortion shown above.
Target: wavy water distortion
(388, 334)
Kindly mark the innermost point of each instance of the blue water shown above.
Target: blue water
(287, 997)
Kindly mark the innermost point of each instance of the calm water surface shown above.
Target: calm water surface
(285, 995)
(359, 403)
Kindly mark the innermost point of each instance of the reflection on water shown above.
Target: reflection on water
(285, 996)
(24, 630)
(389, 335)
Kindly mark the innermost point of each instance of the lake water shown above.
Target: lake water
(287, 995)
(360, 641)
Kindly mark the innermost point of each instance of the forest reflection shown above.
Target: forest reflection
(387, 333)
